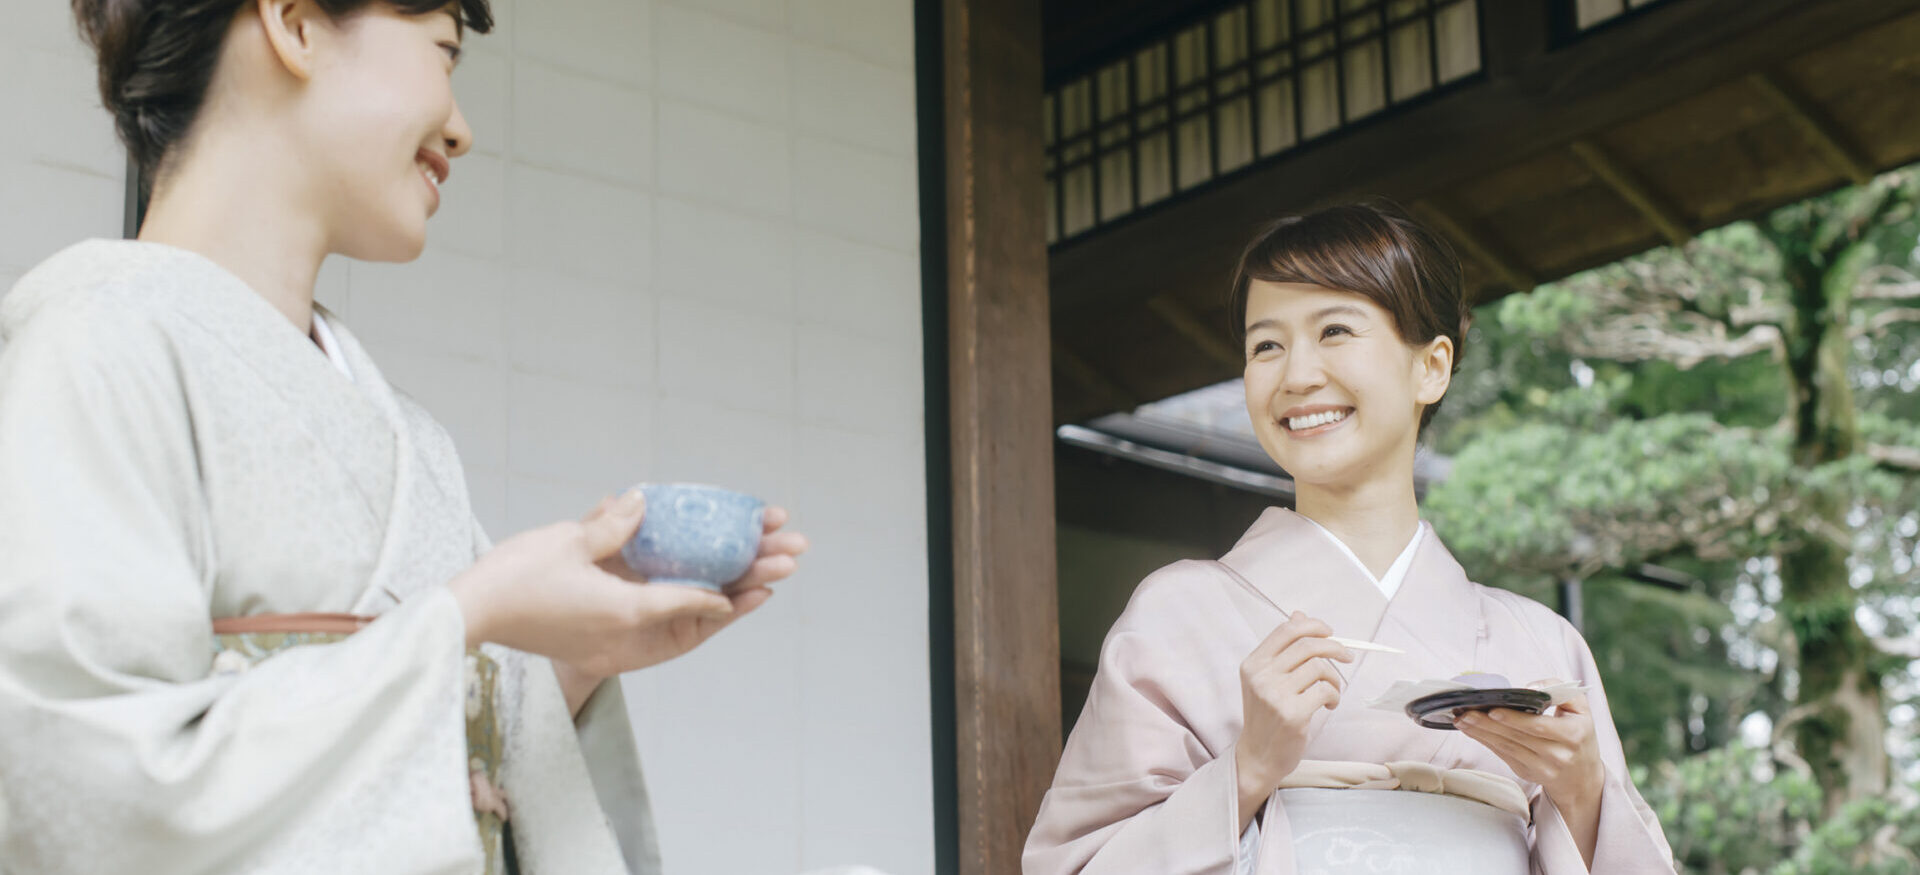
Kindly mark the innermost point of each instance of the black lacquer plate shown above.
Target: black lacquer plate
(1439, 710)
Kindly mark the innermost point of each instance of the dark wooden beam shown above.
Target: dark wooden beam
(1082, 34)
(1477, 244)
(1112, 395)
(1813, 123)
(1212, 342)
(1528, 103)
(1634, 190)
(1006, 632)
(1121, 497)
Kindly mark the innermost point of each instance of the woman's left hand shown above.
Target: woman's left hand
(778, 559)
(1559, 752)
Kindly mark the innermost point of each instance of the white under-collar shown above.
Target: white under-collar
(323, 336)
(1388, 583)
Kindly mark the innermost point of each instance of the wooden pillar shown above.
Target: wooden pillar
(1005, 620)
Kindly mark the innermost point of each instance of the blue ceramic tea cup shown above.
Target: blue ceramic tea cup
(695, 535)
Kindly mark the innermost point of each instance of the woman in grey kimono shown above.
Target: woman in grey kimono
(1226, 731)
(247, 619)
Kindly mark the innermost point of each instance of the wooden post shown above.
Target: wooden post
(1005, 620)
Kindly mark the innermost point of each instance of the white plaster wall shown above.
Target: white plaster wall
(62, 174)
(684, 248)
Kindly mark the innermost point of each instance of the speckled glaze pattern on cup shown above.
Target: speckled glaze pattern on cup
(695, 535)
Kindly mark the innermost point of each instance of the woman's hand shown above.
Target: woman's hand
(779, 554)
(1560, 752)
(551, 591)
(1283, 683)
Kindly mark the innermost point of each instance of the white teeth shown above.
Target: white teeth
(428, 173)
(1302, 423)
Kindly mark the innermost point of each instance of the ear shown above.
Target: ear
(1433, 370)
(292, 28)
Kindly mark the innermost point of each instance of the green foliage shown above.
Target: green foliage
(1732, 810)
(1729, 810)
(1644, 412)
(1872, 836)
(1593, 491)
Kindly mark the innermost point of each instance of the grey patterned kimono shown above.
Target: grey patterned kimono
(173, 449)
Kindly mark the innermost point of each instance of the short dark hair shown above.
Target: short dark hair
(1371, 249)
(156, 59)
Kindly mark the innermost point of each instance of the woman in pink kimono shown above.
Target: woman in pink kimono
(1228, 732)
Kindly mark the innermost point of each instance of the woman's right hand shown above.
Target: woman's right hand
(1283, 683)
(543, 591)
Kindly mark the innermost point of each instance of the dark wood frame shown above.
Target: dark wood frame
(995, 633)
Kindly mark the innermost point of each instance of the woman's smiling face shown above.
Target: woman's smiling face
(383, 127)
(1333, 390)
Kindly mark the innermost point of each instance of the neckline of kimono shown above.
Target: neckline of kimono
(323, 337)
(1388, 583)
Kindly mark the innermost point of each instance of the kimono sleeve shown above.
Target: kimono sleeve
(1630, 839)
(1138, 790)
(120, 749)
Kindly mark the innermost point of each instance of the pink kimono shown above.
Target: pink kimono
(1146, 784)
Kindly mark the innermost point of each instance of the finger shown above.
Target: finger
(788, 543)
(616, 565)
(661, 602)
(1541, 726)
(772, 518)
(1487, 725)
(763, 571)
(1303, 705)
(1297, 626)
(600, 508)
(1304, 677)
(1577, 705)
(1523, 761)
(1311, 648)
(746, 601)
(608, 530)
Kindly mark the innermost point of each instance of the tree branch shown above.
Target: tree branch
(1902, 459)
(1886, 282)
(1645, 336)
(1886, 319)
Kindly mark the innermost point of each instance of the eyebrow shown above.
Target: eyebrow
(459, 25)
(1335, 310)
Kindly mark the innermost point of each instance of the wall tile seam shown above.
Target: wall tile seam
(562, 65)
(786, 417)
(903, 425)
(520, 162)
(635, 186)
(599, 79)
(828, 135)
(875, 59)
(692, 197)
(824, 228)
(668, 90)
(865, 334)
(60, 166)
(648, 387)
(785, 28)
(638, 281)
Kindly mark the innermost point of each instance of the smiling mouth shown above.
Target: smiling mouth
(434, 169)
(1314, 423)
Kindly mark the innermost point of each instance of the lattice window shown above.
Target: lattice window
(1235, 88)
(1588, 13)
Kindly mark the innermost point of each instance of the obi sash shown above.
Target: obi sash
(239, 642)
